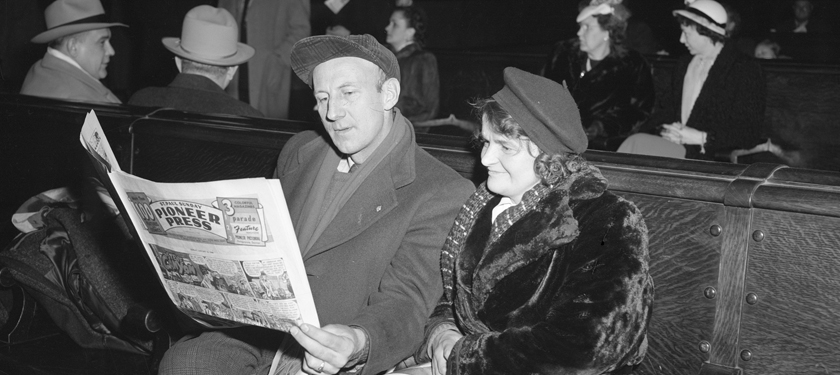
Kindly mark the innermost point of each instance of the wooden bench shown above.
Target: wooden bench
(746, 259)
(802, 112)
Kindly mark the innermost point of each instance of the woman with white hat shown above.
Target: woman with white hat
(717, 97)
(544, 270)
(611, 84)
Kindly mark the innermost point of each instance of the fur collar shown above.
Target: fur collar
(522, 234)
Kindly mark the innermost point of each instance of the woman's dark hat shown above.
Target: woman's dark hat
(66, 17)
(310, 52)
(545, 110)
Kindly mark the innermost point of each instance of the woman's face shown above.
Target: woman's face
(696, 43)
(509, 162)
(399, 34)
(592, 36)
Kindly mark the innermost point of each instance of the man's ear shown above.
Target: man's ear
(409, 33)
(71, 46)
(390, 93)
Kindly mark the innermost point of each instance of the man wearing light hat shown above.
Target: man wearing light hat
(207, 55)
(77, 55)
(371, 211)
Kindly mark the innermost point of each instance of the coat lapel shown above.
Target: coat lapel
(302, 175)
(714, 81)
(375, 197)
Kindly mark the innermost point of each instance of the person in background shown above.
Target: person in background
(78, 51)
(419, 80)
(767, 50)
(612, 85)
(207, 56)
(271, 27)
(717, 94)
(545, 271)
(370, 209)
(802, 21)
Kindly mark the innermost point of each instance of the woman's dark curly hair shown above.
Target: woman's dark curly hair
(551, 168)
(415, 17)
(702, 30)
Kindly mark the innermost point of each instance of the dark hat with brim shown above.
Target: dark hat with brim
(67, 17)
(545, 110)
(210, 35)
(310, 52)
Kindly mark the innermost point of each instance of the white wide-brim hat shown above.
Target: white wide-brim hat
(211, 36)
(66, 17)
(707, 13)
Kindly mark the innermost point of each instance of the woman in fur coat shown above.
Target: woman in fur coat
(544, 270)
(613, 86)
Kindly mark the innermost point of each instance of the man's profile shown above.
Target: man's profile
(78, 52)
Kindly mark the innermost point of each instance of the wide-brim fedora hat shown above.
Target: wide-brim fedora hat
(210, 35)
(66, 17)
(707, 13)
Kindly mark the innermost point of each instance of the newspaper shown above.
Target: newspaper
(225, 251)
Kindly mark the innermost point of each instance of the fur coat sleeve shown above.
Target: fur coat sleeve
(527, 304)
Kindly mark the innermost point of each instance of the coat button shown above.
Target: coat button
(710, 293)
(378, 208)
(705, 346)
(758, 236)
(752, 298)
(715, 230)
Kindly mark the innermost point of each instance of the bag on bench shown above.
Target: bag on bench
(87, 278)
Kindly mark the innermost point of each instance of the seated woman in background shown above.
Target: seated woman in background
(612, 85)
(420, 86)
(544, 271)
(717, 97)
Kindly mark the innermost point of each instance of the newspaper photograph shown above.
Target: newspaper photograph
(225, 251)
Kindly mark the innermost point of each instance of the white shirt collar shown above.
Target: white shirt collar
(345, 164)
(59, 55)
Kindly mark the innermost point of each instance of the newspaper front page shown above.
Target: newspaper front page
(225, 251)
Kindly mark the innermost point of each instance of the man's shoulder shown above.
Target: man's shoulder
(431, 172)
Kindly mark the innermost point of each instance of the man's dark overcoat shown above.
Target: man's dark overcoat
(193, 93)
(377, 265)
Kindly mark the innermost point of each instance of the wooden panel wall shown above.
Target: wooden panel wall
(793, 327)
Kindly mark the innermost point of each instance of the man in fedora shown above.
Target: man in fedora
(207, 55)
(78, 51)
(371, 210)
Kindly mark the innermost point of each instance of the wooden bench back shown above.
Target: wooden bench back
(746, 259)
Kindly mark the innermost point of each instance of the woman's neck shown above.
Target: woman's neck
(712, 51)
(599, 53)
(399, 46)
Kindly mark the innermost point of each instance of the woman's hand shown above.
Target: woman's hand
(440, 346)
(683, 135)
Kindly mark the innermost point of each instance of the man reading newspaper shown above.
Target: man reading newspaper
(371, 211)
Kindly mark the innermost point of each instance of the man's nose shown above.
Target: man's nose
(109, 50)
(334, 110)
